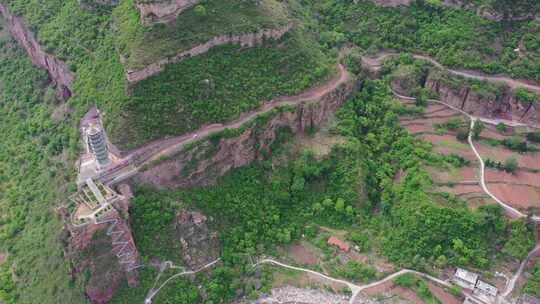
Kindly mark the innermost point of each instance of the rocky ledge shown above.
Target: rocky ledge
(245, 40)
(163, 11)
(57, 69)
(210, 159)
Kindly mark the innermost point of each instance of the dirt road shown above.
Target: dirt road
(170, 146)
(355, 289)
(376, 61)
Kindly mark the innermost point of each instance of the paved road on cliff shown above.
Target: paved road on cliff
(377, 60)
(171, 146)
(167, 147)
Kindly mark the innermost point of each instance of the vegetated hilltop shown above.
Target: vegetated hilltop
(94, 47)
(39, 140)
(455, 37)
(373, 183)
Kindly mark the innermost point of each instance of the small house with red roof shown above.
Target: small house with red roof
(343, 246)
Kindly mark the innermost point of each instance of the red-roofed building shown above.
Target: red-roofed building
(334, 241)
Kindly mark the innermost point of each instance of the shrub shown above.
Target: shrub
(462, 135)
(511, 165)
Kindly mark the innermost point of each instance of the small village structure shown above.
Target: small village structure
(484, 292)
(343, 246)
(92, 201)
(465, 278)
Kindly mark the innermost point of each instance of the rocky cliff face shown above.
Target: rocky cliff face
(106, 251)
(58, 70)
(245, 40)
(206, 162)
(504, 105)
(163, 11)
(200, 246)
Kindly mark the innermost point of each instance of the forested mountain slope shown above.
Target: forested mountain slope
(340, 164)
(38, 141)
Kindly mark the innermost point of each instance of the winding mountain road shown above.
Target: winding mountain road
(377, 60)
(170, 146)
(355, 289)
(168, 264)
(509, 209)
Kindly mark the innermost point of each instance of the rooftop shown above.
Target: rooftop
(334, 241)
(466, 275)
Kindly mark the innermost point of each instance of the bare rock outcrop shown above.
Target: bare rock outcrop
(57, 69)
(106, 251)
(204, 163)
(200, 246)
(503, 105)
(163, 11)
(392, 3)
(245, 40)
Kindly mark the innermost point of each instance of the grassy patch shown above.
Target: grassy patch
(34, 170)
(219, 86)
(141, 45)
(453, 145)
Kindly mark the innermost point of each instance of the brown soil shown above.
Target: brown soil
(518, 196)
(521, 177)
(462, 174)
(303, 255)
(407, 294)
(488, 133)
(460, 190)
(439, 142)
(379, 263)
(442, 295)
(476, 201)
(3, 258)
(419, 128)
(448, 113)
(502, 154)
(389, 287)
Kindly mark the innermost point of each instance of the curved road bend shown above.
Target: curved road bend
(153, 292)
(512, 282)
(355, 289)
(512, 211)
(166, 147)
(377, 60)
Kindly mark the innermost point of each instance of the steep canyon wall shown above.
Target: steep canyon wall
(245, 40)
(58, 70)
(504, 105)
(163, 11)
(209, 160)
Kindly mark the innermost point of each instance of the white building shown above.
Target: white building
(465, 278)
(485, 291)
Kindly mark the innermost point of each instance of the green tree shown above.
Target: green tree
(511, 165)
(477, 129)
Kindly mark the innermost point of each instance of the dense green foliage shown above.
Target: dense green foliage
(221, 85)
(142, 45)
(520, 241)
(533, 285)
(456, 38)
(419, 286)
(34, 170)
